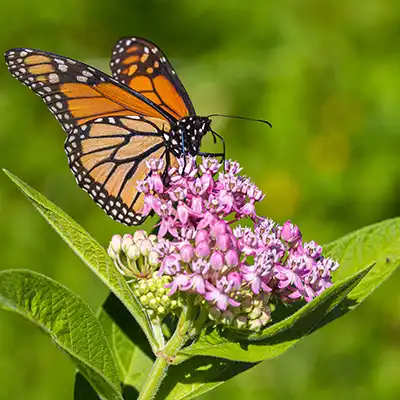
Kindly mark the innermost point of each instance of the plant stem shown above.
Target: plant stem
(157, 374)
(166, 355)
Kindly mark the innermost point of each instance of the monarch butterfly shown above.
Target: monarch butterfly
(115, 124)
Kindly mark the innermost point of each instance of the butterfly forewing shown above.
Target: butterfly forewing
(73, 91)
(142, 66)
(108, 156)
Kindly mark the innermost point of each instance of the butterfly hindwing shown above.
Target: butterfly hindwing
(73, 91)
(142, 66)
(108, 156)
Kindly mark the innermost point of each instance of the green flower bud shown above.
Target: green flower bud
(153, 303)
(150, 296)
(161, 310)
(265, 317)
(255, 325)
(240, 322)
(227, 317)
(142, 287)
(255, 313)
(165, 300)
(144, 300)
(152, 285)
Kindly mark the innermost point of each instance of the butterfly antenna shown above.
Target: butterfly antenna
(238, 117)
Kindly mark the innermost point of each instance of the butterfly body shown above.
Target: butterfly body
(114, 124)
(186, 136)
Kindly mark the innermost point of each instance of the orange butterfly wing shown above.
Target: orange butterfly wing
(112, 130)
(142, 66)
(107, 157)
(73, 91)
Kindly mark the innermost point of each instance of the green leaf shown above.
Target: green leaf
(68, 320)
(129, 346)
(197, 376)
(128, 343)
(378, 243)
(279, 337)
(90, 251)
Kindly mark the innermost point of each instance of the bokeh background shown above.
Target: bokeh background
(325, 73)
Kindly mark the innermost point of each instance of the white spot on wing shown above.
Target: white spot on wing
(53, 78)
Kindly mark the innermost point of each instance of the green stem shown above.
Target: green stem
(166, 355)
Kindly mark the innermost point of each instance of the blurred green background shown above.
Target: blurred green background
(325, 73)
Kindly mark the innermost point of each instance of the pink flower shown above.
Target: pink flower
(204, 255)
(290, 233)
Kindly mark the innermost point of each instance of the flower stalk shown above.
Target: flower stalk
(166, 356)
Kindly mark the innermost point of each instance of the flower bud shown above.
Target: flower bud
(152, 238)
(255, 313)
(217, 260)
(223, 241)
(235, 280)
(240, 322)
(227, 317)
(290, 233)
(144, 300)
(203, 249)
(127, 241)
(202, 235)
(255, 325)
(153, 258)
(161, 310)
(218, 228)
(231, 258)
(187, 253)
(145, 247)
(165, 299)
(132, 252)
(157, 183)
(116, 244)
(139, 235)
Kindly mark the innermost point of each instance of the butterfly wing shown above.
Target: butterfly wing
(112, 130)
(108, 156)
(142, 66)
(75, 92)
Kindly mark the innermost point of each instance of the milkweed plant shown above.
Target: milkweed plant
(213, 290)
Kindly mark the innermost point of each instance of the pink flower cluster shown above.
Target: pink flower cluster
(205, 251)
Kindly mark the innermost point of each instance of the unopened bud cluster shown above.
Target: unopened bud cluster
(136, 258)
(253, 313)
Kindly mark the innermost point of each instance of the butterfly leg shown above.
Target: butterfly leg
(222, 155)
(183, 151)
